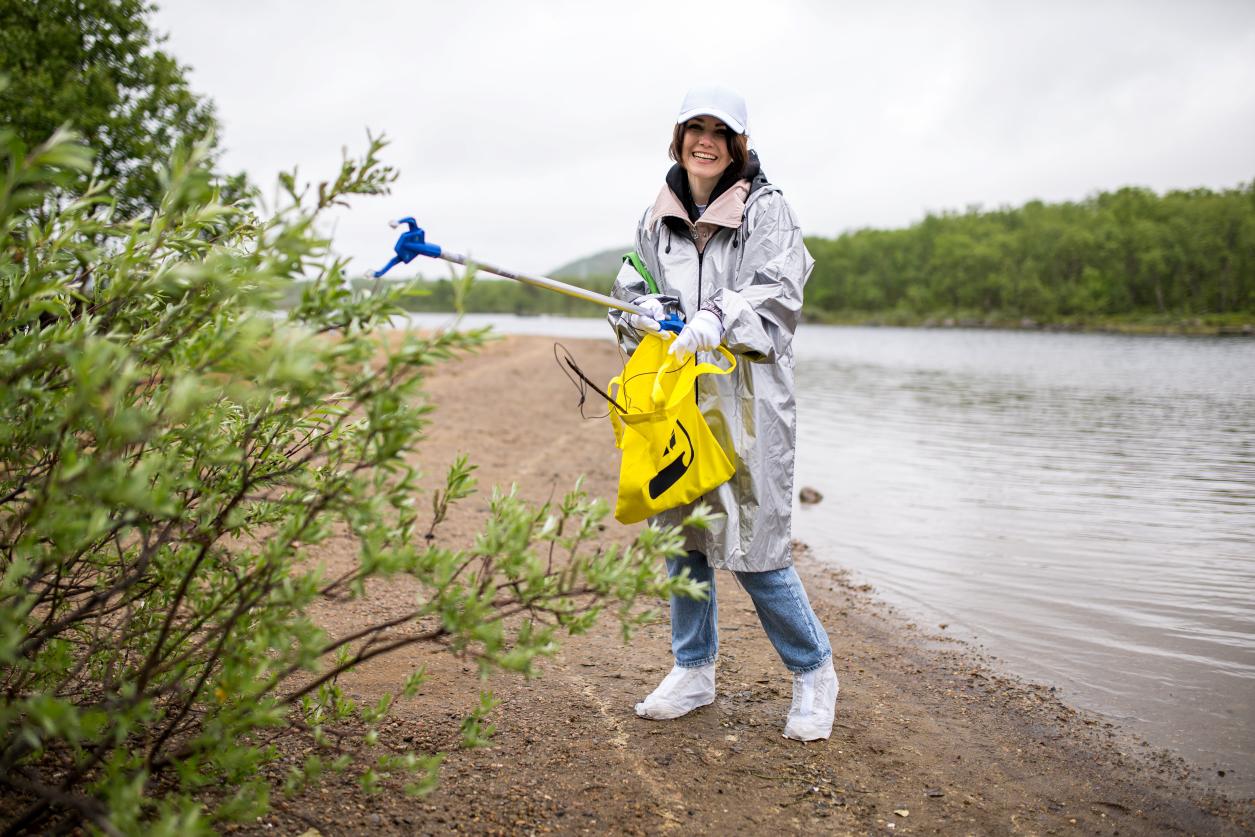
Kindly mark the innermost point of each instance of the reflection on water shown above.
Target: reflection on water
(1082, 504)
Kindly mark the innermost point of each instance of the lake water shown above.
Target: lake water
(1081, 506)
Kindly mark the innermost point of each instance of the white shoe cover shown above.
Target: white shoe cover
(814, 704)
(679, 693)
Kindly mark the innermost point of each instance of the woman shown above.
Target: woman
(726, 253)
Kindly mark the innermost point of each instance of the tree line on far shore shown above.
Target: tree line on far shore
(1124, 256)
(1188, 254)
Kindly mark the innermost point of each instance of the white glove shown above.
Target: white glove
(700, 334)
(656, 313)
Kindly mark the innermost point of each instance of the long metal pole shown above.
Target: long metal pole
(547, 283)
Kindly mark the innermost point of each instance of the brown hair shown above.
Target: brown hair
(738, 147)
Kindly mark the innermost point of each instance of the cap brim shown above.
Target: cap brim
(722, 116)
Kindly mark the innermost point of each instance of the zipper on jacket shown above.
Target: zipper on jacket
(701, 260)
(701, 256)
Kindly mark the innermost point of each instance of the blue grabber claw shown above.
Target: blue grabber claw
(412, 243)
(674, 324)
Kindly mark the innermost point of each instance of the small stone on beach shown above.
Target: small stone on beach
(809, 495)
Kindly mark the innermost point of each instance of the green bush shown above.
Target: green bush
(171, 450)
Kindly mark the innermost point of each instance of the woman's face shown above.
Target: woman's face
(704, 152)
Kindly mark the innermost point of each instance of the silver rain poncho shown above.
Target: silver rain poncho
(745, 256)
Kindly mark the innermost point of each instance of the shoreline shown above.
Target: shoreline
(929, 736)
(1177, 327)
(1180, 329)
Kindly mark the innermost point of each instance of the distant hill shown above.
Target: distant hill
(605, 263)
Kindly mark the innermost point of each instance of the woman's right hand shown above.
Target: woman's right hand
(654, 307)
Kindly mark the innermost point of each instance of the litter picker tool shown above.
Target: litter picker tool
(413, 243)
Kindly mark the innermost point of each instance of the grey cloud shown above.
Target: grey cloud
(535, 133)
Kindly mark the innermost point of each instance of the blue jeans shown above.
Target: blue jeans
(782, 607)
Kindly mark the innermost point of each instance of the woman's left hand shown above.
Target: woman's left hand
(700, 334)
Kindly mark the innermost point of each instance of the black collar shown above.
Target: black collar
(678, 181)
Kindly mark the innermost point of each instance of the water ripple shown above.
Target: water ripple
(1085, 504)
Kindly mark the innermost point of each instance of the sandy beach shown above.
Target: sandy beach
(929, 738)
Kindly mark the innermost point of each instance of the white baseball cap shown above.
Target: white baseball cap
(723, 103)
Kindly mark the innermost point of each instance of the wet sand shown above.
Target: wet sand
(930, 738)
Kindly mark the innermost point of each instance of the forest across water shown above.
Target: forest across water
(1125, 260)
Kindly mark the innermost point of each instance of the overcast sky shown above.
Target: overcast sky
(530, 134)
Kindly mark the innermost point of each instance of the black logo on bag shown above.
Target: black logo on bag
(676, 468)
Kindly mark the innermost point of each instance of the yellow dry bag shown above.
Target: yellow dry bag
(670, 457)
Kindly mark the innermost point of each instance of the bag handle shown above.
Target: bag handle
(616, 421)
(688, 376)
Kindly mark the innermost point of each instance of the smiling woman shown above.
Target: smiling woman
(722, 247)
